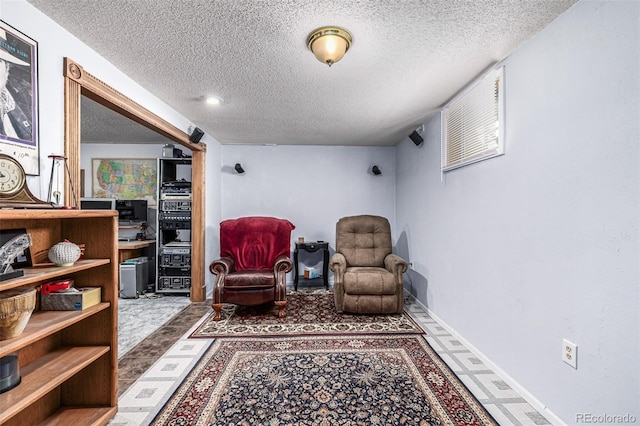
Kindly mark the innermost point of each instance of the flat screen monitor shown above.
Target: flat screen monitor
(132, 211)
(98, 203)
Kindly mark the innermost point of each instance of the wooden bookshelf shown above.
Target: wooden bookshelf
(68, 359)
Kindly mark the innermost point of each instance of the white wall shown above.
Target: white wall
(312, 186)
(213, 206)
(518, 252)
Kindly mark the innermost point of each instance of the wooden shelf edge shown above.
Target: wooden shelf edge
(45, 323)
(36, 274)
(52, 214)
(81, 415)
(45, 374)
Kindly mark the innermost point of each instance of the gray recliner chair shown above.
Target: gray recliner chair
(367, 276)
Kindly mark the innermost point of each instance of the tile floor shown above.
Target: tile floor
(505, 404)
(151, 371)
(136, 321)
(134, 360)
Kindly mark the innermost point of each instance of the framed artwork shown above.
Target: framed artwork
(23, 259)
(19, 98)
(125, 179)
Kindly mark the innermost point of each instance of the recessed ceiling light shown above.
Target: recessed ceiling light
(213, 100)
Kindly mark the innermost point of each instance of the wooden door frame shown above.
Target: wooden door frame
(78, 83)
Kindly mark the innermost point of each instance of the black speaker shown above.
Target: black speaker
(376, 170)
(239, 168)
(416, 138)
(196, 135)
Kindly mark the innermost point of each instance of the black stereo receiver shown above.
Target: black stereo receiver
(175, 257)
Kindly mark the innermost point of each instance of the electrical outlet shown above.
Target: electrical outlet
(570, 353)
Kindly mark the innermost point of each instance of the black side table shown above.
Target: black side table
(312, 247)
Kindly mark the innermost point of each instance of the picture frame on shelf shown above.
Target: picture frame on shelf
(23, 259)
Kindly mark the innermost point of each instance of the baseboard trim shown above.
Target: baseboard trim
(535, 402)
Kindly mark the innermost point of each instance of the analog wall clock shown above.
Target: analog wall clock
(14, 191)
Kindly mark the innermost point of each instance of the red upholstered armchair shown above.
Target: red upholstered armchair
(254, 261)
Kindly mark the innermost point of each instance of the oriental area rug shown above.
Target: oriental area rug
(309, 312)
(322, 380)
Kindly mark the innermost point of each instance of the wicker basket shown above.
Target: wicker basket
(16, 306)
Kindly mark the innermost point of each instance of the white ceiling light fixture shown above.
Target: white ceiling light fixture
(329, 44)
(213, 100)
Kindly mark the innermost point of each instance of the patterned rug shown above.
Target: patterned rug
(322, 380)
(309, 312)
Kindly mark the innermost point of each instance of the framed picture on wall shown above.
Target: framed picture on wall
(125, 179)
(19, 98)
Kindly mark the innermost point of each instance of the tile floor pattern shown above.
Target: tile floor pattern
(138, 318)
(133, 362)
(505, 405)
(149, 375)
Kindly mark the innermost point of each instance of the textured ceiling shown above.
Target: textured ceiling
(102, 125)
(407, 59)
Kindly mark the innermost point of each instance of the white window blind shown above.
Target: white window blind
(472, 124)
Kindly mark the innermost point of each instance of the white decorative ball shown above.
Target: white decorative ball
(64, 254)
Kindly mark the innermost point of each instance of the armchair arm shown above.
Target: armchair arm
(338, 265)
(222, 266)
(396, 265)
(281, 266)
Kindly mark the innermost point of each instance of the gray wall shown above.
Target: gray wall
(312, 186)
(518, 252)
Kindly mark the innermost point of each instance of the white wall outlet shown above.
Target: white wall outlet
(570, 353)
